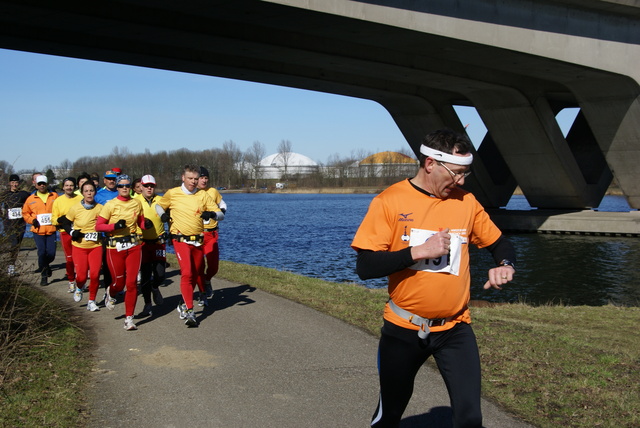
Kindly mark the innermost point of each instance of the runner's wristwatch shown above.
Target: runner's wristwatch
(506, 262)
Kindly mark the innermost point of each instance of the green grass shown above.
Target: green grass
(550, 365)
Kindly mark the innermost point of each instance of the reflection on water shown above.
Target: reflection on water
(572, 269)
(310, 235)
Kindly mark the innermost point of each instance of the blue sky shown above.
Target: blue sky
(55, 108)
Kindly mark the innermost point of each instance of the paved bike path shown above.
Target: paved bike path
(255, 360)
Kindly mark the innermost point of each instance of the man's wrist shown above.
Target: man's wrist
(507, 262)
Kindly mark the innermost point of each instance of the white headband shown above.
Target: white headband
(445, 157)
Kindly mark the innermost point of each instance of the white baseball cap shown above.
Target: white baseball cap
(41, 179)
(148, 179)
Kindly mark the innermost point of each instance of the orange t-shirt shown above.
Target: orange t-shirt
(403, 216)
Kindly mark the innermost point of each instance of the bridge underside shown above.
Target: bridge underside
(362, 49)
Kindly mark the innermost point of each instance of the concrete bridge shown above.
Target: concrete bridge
(518, 62)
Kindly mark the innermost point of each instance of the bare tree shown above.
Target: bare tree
(253, 156)
(284, 151)
(229, 157)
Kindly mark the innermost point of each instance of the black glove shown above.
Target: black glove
(148, 224)
(164, 218)
(120, 224)
(77, 236)
(208, 215)
(35, 222)
(63, 221)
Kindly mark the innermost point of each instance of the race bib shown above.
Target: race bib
(449, 263)
(194, 243)
(14, 213)
(161, 253)
(91, 236)
(123, 246)
(44, 219)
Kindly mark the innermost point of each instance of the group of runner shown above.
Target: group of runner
(121, 233)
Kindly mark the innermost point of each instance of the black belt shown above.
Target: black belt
(159, 240)
(188, 238)
(211, 230)
(129, 239)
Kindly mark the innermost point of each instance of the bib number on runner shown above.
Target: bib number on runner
(123, 246)
(161, 253)
(44, 219)
(91, 236)
(14, 213)
(449, 263)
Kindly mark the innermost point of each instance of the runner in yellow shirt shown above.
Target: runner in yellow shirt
(60, 208)
(211, 247)
(187, 207)
(154, 247)
(86, 243)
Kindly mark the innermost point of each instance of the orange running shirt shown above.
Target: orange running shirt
(402, 216)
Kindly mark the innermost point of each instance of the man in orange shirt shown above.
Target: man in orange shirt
(37, 211)
(417, 232)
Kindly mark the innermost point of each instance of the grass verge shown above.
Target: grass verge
(44, 360)
(550, 365)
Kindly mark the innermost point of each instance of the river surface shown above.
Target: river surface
(310, 234)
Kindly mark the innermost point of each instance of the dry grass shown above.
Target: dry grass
(43, 361)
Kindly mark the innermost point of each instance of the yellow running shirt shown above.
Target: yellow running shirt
(117, 209)
(61, 206)
(149, 211)
(84, 220)
(186, 210)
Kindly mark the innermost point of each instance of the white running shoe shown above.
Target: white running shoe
(109, 302)
(182, 309)
(190, 318)
(72, 287)
(128, 324)
(203, 300)
(91, 306)
(77, 295)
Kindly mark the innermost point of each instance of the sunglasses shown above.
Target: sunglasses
(41, 183)
(124, 186)
(149, 185)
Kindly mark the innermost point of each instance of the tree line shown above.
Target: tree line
(228, 167)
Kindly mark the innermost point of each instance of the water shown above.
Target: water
(310, 234)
